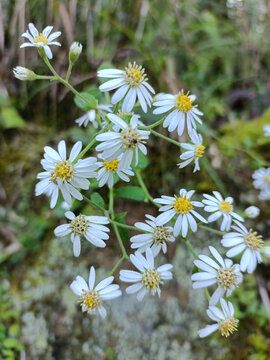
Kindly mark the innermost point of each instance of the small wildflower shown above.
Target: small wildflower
(221, 272)
(131, 84)
(91, 115)
(225, 321)
(220, 207)
(149, 278)
(75, 51)
(90, 227)
(262, 179)
(41, 40)
(91, 297)
(194, 151)
(266, 130)
(244, 241)
(183, 208)
(182, 111)
(157, 237)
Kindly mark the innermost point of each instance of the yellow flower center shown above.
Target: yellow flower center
(90, 299)
(182, 205)
(151, 280)
(63, 170)
(134, 74)
(79, 225)
(228, 326)
(131, 138)
(199, 151)
(266, 179)
(41, 38)
(225, 207)
(183, 102)
(226, 278)
(160, 235)
(111, 165)
(253, 241)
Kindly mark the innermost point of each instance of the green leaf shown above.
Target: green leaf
(142, 162)
(86, 106)
(124, 233)
(10, 343)
(10, 118)
(97, 199)
(130, 192)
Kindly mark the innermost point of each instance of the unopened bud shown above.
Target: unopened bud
(252, 212)
(75, 51)
(22, 73)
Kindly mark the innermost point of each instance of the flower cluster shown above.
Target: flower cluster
(121, 142)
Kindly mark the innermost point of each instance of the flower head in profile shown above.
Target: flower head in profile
(182, 111)
(90, 227)
(218, 271)
(41, 40)
(183, 208)
(125, 142)
(244, 241)
(90, 116)
(148, 278)
(24, 74)
(131, 84)
(266, 130)
(156, 238)
(262, 179)
(91, 296)
(107, 170)
(62, 174)
(194, 151)
(220, 207)
(252, 212)
(225, 321)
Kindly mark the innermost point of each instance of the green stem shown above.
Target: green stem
(127, 226)
(211, 230)
(63, 81)
(152, 125)
(165, 138)
(125, 255)
(95, 205)
(143, 186)
(111, 201)
(119, 262)
(45, 77)
(69, 71)
(92, 142)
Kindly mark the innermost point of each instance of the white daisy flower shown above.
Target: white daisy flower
(127, 141)
(90, 227)
(91, 296)
(264, 195)
(90, 116)
(131, 84)
(266, 130)
(252, 212)
(44, 39)
(156, 239)
(194, 151)
(262, 179)
(109, 168)
(221, 272)
(148, 278)
(244, 241)
(181, 111)
(181, 207)
(61, 174)
(220, 207)
(225, 321)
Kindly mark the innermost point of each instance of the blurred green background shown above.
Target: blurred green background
(217, 49)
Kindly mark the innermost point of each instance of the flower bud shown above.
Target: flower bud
(23, 73)
(75, 51)
(252, 212)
